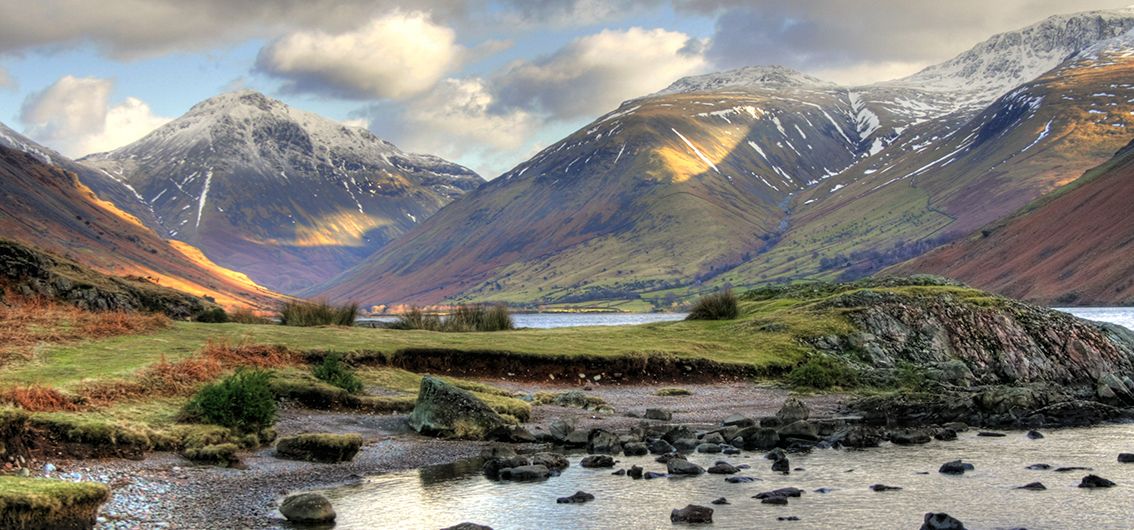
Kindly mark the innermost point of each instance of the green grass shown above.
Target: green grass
(48, 503)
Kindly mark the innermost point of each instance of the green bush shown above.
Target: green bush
(320, 313)
(822, 372)
(242, 401)
(716, 306)
(336, 372)
(474, 317)
(213, 315)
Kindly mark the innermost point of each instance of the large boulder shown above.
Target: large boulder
(761, 439)
(793, 410)
(679, 466)
(308, 508)
(941, 521)
(525, 473)
(445, 410)
(551, 460)
(604, 442)
(692, 514)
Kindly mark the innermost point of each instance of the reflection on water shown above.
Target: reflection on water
(436, 497)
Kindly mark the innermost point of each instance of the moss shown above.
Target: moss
(673, 392)
(42, 504)
(319, 447)
(520, 410)
(223, 455)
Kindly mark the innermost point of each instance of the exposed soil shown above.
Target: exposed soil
(166, 491)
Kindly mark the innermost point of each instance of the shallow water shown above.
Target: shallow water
(441, 496)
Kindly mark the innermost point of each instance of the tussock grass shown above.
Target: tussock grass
(37, 398)
(465, 318)
(305, 313)
(716, 306)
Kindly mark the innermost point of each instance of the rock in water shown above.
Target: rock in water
(1037, 486)
(782, 492)
(635, 449)
(719, 501)
(551, 460)
(468, 526)
(1095, 481)
(1126, 458)
(1035, 435)
(593, 461)
(692, 514)
(723, 468)
(782, 465)
(955, 467)
(605, 442)
(445, 410)
(307, 508)
(678, 466)
(525, 473)
(780, 501)
(793, 410)
(578, 497)
(635, 472)
(941, 521)
(883, 487)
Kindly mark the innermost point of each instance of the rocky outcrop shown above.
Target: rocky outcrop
(445, 410)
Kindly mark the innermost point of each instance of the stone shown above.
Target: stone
(883, 487)
(945, 435)
(801, 430)
(525, 473)
(579, 497)
(511, 433)
(1039, 467)
(956, 467)
(1095, 481)
(604, 442)
(719, 501)
(722, 468)
(635, 449)
(740, 480)
(793, 410)
(664, 459)
(915, 437)
(788, 518)
(941, 521)
(653, 474)
(1035, 435)
(577, 439)
(308, 508)
(782, 465)
(737, 420)
(619, 473)
(468, 526)
(713, 438)
(679, 466)
(861, 437)
(1126, 458)
(679, 432)
(774, 500)
(443, 409)
(635, 472)
(708, 448)
(823, 490)
(494, 465)
(781, 492)
(554, 461)
(596, 461)
(991, 434)
(660, 447)
(560, 428)
(686, 444)
(1071, 468)
(1033, 486)
(658, 414)
(762, 439)
(692, 514)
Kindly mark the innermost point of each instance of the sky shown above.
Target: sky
(485, 83)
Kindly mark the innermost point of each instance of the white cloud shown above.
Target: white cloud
(595, 73)
(395, 56)
(6, 80)
(74, 115)
(356, 122)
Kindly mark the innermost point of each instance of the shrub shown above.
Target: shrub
(246, 316)
(716, 306)
(215, 315)
(822, 372)
(473, 317)
(336, 372)
(320, 313)
(242, 401)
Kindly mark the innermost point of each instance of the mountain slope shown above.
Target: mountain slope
(286, 196)
(765, 174)
(1071, 247)
(45, 206)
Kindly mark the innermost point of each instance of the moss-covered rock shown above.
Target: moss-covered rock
(45, 504)
(319, 447)
(445, 410)
(223, 455)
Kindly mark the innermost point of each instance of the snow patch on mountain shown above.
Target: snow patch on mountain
(750, 77)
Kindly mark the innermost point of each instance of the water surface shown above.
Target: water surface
(565, 320)
(436, 497)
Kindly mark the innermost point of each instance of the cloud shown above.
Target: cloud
(394, 56)
(859, 41)
(356, 122)
(595, 73)
(74, 116)
(6, 79)
(567, 13)
(144, 28)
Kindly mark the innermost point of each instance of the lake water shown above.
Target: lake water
(442, 496)
(565, 320)
(1123, 316)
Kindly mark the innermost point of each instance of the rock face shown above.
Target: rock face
(308, 508)
(445, 410)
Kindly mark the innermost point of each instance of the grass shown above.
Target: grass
(33, 503)
(465, 318)
(305, 313)
(716, 306)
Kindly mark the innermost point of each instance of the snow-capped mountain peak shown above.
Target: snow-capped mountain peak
(773, 76)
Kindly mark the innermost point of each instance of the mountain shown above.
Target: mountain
(766, 174)
(286, 196)
(1071, 247)
(46, 206)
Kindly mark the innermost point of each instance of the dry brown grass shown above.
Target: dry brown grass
(186, 376)
(37, 398)
(26, 322)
